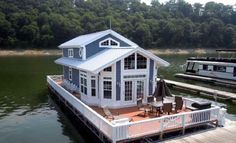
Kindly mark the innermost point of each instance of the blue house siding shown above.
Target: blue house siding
(65, 52)
(66, 72)
(94, 48)
(76, 53)
(118, 79)
(75, 76)
(151, 77)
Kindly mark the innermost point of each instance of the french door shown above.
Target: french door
(134, 89)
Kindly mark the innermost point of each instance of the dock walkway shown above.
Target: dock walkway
(216, 135)
(228, 83)
(212, 92)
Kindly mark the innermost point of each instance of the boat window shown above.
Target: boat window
(93, 87)
(205, 67)
(234, 71)
(108, 69)
(141, 62)
(107, 89)
(70, 73)
(219, 68)
(70, 53)
(83, 83)
(129, 62)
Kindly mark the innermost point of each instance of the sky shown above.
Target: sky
(226, 2)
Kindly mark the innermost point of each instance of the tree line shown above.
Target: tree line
(48, 23)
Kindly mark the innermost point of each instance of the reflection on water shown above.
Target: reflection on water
(28, 115)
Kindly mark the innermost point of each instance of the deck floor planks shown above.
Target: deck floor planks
(218, 135)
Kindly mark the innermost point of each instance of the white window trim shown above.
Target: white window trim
(93, 78)
(109, 43)
(70, 74)
(70, 53)
(136, 62)
(83, 75)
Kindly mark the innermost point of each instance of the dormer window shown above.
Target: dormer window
(80, 52)
(109, 42)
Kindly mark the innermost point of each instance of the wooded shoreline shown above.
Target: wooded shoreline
(48, 52)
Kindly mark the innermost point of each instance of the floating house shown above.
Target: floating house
(108, 69)
(108, 83)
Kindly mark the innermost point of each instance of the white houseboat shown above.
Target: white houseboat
(108, 82)
(212, 69)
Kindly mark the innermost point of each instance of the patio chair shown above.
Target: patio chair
(108, 113)
(159, 98)
(167, 108)
(141, 107)
(150, 99)
(178, 98)
(178, 105)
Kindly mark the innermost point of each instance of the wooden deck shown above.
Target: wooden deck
(133, 113)
(228, 83)
(216, 135)
(211, 92)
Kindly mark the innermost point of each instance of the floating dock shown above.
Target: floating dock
(215, 135)
(211, 92)
(228, 83)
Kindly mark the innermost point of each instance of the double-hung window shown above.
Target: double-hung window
(70, 53)
(107, 89)
(83, 83)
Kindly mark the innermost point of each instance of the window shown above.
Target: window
(93, 87)
(113, 43)
(108, 69)
(141, 62)
(80, 52)
(107, 89)
(70, 53)
(130, 62)
(134, 76)
(83, 83)
(234, 71)
(109, 42)
(70, 73)
(219, 68)
(105, 43)
(205, 67)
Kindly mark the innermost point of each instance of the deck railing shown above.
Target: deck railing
(138, 128)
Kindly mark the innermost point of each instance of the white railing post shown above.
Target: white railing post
(221, 116)
(183, 123)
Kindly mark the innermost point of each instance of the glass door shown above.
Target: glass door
(140, 89)
(128, 90)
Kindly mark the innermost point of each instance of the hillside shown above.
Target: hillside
(47, 23)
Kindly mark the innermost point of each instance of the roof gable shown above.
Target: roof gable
(84, 40)
(105, 58)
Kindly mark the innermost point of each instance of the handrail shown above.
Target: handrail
(118, 132)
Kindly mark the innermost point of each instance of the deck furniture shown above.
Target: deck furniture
(150, 99)
(179, 103)
(159, 98)
(108, 113)
(157, 106)
(141, 107)
(201, 105)
(167, 108)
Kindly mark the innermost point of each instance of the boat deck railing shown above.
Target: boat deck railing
(129, 130)
(213, 59)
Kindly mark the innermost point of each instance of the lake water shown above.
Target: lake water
(28, 115)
